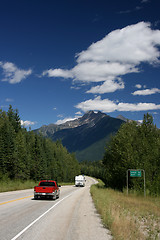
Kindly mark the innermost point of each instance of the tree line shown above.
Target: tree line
(135, 146)
(25, 155)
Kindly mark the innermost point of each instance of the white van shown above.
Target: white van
(80, 181)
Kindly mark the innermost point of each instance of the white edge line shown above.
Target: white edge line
(25, 229)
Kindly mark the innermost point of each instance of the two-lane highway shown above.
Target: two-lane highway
(72, 216)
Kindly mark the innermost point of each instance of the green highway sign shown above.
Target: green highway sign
(135, 173)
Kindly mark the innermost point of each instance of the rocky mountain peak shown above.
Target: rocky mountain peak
(93, 114)
(86, 135)
(89, 117)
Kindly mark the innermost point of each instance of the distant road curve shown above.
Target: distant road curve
(72, 216)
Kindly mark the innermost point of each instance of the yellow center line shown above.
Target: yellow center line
(15, 200)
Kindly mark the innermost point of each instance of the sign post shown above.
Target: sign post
(136, 173)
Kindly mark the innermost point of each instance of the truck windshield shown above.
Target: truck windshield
(47, 184)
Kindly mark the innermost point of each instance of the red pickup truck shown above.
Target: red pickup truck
(46, 188)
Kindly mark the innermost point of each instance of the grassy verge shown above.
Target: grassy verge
(13, 185)
(127, 217)
(9, 185)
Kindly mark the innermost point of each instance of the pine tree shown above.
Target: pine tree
(7, 136)
(14, 118)
(21, 163)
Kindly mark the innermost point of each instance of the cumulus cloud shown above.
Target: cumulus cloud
(12, 74)
(133, 44)
(108, 106)
(93, 71)
(27, 123)
(107, 86)
(117, 54)
(58, 73)
(97, 104)
(146, 92)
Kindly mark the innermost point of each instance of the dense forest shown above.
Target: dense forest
(133, 147)
(25, 155)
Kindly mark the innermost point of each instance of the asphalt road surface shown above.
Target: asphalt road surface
(72, 216)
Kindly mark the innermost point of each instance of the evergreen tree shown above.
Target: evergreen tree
(134, 147)
(7, 136)
(21, 163)
(26, 155)
(14, 118)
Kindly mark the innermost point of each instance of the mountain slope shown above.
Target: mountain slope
(86, 136)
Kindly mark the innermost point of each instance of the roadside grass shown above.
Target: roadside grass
(127, 217)
(13, 185)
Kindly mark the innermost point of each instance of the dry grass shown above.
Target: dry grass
(128, 217)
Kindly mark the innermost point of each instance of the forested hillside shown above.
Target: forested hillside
(26, 155)
(133, 147)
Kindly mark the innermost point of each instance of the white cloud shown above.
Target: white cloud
(133, 44)
(93, 71)
(117, 54)
(146, 92)
(27, 123)
(9, 100)
(137, 107)
(61, 121)
(78, 113)
(138, 86)
(107, 86)
(76, 88)
(97, 105)
(107, 106)
(58, 73)
(12, 74)
(64, 120)
(60, 115)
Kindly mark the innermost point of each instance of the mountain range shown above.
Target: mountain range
(86, 136)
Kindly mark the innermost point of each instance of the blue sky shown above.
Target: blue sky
(59, 59)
